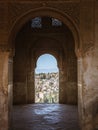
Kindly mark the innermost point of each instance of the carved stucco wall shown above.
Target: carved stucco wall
(12, 11)
(84, 15)
(18, 9)
(4, 111)
(88, 83)
(95, 72)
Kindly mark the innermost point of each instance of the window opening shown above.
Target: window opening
(46, 80)
(36, 22)
(56, 22)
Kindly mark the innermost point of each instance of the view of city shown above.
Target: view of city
(47, 87)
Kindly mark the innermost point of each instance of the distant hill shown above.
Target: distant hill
(47, 87)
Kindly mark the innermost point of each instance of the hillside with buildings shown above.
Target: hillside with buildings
(47, 88)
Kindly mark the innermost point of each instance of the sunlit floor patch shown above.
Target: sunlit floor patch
(45, 117)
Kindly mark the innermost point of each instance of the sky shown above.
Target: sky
(46, 63)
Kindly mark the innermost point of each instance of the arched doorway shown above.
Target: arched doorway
(44, 34)
(46, 80)
(62, 51)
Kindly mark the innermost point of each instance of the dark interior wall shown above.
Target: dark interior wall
(20, 69)
(69, 70)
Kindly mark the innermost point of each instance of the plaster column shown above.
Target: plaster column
(10, 89)
(95, 64)
(4, 93)
(87, 18)
(80, 92)
(84, 92)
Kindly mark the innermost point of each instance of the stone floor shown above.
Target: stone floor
(45, 117)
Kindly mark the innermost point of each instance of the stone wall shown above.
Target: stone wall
(88, 66)
(4, 110)
(83, 17)
(95, 73)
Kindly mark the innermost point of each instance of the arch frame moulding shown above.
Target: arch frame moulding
(45, 11)
(67, 20)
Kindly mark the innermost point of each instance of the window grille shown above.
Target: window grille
(36, 22)
(56, 22)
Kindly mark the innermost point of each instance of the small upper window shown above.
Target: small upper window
(56, 22)
(36, 22)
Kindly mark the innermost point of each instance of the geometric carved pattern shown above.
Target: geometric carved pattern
(17, 9)
(56, 22)
(3, 19)
(4, 48)
(88, 46)
(36, 22)
(71, 9)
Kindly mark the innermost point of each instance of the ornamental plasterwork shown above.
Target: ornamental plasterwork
(16, 10)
